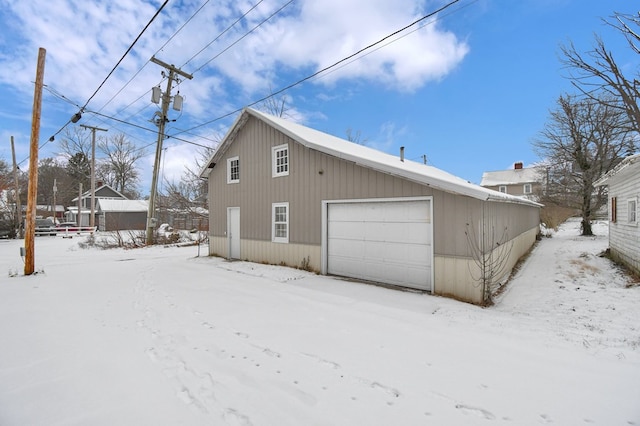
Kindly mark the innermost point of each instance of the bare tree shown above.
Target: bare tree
(582, 140)
(490, 249)
(275, 106)
(189, 195)
(355, 137)
(75, 140)
(597, 71)
(118, 168)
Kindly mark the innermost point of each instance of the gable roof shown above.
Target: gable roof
(511, 177)
(99, 189)
(111, 205)
(363, 156)
(628, 167)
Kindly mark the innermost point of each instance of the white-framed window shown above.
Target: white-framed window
(280, 160)
(527, 188)
(280, 221)
(632, 211)
(503, 189)
(233, 170)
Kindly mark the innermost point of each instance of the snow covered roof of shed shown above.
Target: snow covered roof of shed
(629, 165)
(511, 177)
(364, 156)
(111, 205)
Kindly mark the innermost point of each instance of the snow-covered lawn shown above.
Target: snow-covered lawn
(159, 336)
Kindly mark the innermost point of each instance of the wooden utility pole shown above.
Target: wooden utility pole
(79, 217)
(17, 192)
(92, 219)
(166, 99)
(32, 194)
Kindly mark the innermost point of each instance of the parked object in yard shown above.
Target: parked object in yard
(45, 227)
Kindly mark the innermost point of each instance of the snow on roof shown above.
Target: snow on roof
(511, 177)
(367, 157)
(111, 205)
(87, 193)
(627, 165)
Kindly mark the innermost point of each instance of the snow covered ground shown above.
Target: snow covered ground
(159, 336)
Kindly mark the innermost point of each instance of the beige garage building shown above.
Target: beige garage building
(283, 193)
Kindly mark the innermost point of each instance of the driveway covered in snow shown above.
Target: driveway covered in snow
(159, 336)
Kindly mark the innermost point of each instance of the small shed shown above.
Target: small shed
(283, 193)
(623, 183)
(116, 215)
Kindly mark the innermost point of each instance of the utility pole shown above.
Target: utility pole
(29, 261)
(92, 219)
(55, 193)
(79, 217)
(17, 190)
(166, 99)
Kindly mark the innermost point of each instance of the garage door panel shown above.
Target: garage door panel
(388, 242)
(380, 231)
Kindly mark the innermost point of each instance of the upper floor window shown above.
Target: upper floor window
(503, 189)
(527, 188)
(233, 170)
(632, 211)
(280, 160)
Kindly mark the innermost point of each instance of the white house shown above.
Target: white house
(526, 182)
(624, 193)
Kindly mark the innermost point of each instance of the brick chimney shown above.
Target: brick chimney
(517, 166)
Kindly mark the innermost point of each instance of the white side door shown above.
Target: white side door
(233, 232)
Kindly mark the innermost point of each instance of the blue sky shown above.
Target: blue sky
(470, 90)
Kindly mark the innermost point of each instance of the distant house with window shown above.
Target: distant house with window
(82, 217)
(283, 193)
(623, 183)
(526, 182)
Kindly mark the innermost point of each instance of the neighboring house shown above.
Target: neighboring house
(48, 211)
(520, 181)
(103, 192)
(624, 211)
(282, 193)
(116, 215)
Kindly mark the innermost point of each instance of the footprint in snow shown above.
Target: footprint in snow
(480, 412)
(391, 391)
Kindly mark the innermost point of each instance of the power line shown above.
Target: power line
(150, 130)
(125, 53)
(222, 33)
(397, 39)
(76, 117)
(145, 64)
(243, 36)
(284, 89)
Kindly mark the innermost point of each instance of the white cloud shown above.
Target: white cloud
(85, 39)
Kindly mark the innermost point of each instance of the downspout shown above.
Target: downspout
(483, 271)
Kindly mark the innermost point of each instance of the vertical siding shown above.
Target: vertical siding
(314, 177)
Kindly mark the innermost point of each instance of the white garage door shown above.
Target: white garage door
(382, 241)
